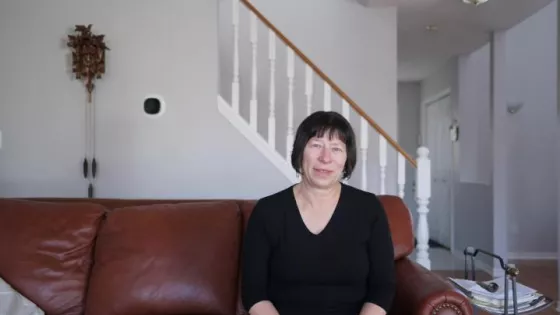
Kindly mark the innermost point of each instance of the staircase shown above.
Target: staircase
(381, 167)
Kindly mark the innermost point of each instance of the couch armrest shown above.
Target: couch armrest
(422, 292)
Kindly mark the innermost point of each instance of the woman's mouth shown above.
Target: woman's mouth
(323, 171)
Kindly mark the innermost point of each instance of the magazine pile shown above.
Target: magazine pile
(529, 300)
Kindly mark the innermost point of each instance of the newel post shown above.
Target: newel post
(423, 193)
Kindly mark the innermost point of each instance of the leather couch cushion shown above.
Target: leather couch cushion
(47, 251)
(167, 259)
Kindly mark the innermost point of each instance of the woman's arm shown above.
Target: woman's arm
(382, 276)
(263, 308)
(254, 269)
(372, 309)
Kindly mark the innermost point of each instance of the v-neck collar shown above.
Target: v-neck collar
(332, 218)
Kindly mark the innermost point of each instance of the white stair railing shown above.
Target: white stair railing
(367, 130)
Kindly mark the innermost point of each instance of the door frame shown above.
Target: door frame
(423, 134)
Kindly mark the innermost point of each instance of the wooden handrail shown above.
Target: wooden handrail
(335, 87)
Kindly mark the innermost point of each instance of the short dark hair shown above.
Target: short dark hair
(315, 125)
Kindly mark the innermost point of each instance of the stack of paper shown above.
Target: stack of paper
(528, 299)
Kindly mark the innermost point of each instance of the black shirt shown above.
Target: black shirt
(348, 263)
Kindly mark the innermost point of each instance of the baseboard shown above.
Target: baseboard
(533, 256)
(497, 271)
(257, 140)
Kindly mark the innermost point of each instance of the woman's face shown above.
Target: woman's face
(323, 161)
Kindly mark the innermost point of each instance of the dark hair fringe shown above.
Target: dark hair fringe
(315, 125)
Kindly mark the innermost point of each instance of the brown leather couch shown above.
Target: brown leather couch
(163, 257)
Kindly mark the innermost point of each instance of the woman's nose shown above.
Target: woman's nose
(325, 155)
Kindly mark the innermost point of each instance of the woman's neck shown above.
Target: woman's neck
(318, 196)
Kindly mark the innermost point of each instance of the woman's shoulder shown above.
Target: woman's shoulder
(362, 200)
(272, 205)
(279, 198)
(357, 195)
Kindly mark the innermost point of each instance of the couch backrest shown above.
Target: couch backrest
(46, 251)
(400, 219)
(167, 259)
(150, 256)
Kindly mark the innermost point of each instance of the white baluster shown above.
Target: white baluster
(290, 134)
(253, 103)
(272, 95)
(363, 150)
(345, 114)
(401, 174)
(235, 83)
(327, 97)
(423, 193)
(308, 87)
(345, 109)
(382, 162)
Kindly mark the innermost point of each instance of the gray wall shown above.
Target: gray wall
(473, 185)
(443, 78)
(355, 46)
(170, 50)
(409, 133)
(505, 182)
(531, 79)
(472, 201)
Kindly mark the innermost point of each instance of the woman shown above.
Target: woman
(319, 247)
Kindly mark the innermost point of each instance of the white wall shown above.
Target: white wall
(355, 46)
(171, 50)
(531, 78)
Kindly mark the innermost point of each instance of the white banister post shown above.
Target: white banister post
(401, 174)
(235, 83)
(363, 150)
(253, 103)
(423, 193)
(308, 88)
(345, 109)
(272, 92)
(327, 97)
(290, 74)
(345, 114)
(382, 162)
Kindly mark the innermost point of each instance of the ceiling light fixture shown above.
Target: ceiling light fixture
(475, 2)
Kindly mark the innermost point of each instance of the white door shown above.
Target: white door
(438, 121)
